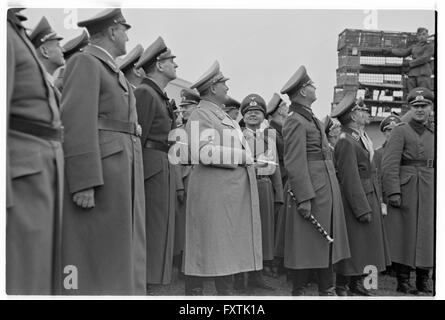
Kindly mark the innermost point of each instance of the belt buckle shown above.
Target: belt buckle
(137, 129)
(430, 163)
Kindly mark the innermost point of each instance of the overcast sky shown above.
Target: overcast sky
(257, 49)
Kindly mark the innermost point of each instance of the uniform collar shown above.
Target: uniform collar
(303, 110)
(214, 108)
(155, 87)
(103, 55)
(353, 133)
(418, 127)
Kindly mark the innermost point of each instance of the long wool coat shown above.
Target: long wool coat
(34, 169)
(304, 247)
(106, 243)
(223, 226)
(156, 118)
(358, 181)
(410, 227)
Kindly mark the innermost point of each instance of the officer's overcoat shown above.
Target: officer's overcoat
(410, 227)
(223, 227)
(358, 181)
(107, 243)
(304, 247)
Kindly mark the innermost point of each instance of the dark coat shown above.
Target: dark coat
(359, 187)
(34, 170)
(304, 247)
(421, 52)
(156, 118)
(270, 188)
(105, 243)
(280, 220)
(410, 227)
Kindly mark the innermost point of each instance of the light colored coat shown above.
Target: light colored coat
(223, 226)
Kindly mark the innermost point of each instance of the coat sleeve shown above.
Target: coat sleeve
(349, 178)
(295, 159)
(146, 109)
(10, 79)
(80, 105)
(402, 52)
(424, 58)
(391, 162)
(208, 148)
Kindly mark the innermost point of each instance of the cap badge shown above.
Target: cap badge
(253, 103)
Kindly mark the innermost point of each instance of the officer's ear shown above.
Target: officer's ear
(44, 51)
(303, 91)
(111, 32)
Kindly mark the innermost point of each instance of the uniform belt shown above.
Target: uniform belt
(119, 126)
(262, 177)
(429, 163)
(160, 146)
(317, 156)
(37, 129)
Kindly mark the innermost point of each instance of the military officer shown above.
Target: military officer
(231, 107)
(126, 65)
(311, 177)
(223, 226)
(408, 183)
(157, 119)
(48, 49)
(419, 68)
(189, 102)
(358, 181)
(69, 49)
(277, 111)
(386, 126)
(34, 170)
(104, 207)
(270, 188)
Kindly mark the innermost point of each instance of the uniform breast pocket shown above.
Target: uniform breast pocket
(110, 148)
(405, 178)
(25, 162)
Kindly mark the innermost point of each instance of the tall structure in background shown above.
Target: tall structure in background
(377, 78)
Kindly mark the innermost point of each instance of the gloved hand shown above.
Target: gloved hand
(304, 208)
(395, 200)
(84, 198)
(366, 218)
(180, 194)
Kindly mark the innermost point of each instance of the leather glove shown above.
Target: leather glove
(395, 200)
(304, 208)
(84, 198)
(366, 218)
(180, 194)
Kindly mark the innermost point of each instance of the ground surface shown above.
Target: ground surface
(386, 287)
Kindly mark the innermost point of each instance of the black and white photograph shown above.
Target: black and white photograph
(276, 151)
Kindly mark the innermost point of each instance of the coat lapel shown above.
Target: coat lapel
(102, 56)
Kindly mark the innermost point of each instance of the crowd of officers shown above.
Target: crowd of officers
(96, 206)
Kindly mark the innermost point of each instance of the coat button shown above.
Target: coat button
(134, 140)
